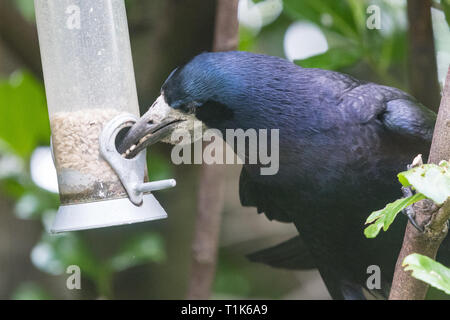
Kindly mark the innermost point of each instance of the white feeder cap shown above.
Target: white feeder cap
(106, 214)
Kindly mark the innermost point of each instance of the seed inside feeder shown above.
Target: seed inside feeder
(83, 175)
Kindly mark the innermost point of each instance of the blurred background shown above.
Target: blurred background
(152, 260)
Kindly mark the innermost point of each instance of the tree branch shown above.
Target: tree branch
(20, 36)
(440, 149)
(212, 178)
(433, 219)
(436, 5)
(422, 57)
(226, 35)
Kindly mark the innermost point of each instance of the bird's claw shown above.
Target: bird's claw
(409, 211)
(411, 217)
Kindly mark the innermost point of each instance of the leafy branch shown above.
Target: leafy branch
(429, 180)
(383, 218)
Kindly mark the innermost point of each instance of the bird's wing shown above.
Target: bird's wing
(291, 254)
(396, 110)
(252, 194)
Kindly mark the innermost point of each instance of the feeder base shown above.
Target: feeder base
(106, 214)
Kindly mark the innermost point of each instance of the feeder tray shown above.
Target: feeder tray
(106, 214)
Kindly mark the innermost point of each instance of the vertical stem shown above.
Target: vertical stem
(212, 178)
(425, 88)
(404, 286)
(440, 148)
(207, 229)
(422, 57)
(226, 35)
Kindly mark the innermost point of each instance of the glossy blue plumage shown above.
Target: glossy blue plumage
(342, 142)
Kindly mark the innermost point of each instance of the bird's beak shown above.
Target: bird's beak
(153, 126)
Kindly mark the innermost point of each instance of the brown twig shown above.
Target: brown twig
(212, 178)
(431, 218)
(226, 36)
(20, 36)
(436, 5)
(440, 149)
(422, 57)
(207, 229)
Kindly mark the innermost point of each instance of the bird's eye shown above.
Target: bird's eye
(188, 108)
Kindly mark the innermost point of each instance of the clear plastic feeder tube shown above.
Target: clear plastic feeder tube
(89, 79)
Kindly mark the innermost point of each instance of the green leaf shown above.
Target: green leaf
(429, 271)
(158, 167)
(314, 10)
(26, 8)
(11, 165)
(143, 248)
(383, 218)
(247, 39)
(358, 9)
(231, 279)
(24, 120)
(34, 202)
(446, 7)
(429, 179)
(333, 59)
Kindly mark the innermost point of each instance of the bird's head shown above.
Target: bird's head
(216, 90)
(195, 94)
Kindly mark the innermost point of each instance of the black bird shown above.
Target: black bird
(341, 143)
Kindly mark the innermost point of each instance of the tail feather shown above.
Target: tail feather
(291, 254)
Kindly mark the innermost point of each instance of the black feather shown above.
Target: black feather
(342, 143)
(291, 254)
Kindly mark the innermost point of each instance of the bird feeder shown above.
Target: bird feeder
(91, 97)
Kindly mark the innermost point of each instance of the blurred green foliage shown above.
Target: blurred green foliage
(26, 7)
(446, 7)
(24, 122)
(235, 279)
(377, 55)
(30, 291)
(380, 51)
(54, 253)
(333, 59)
(24, 126)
